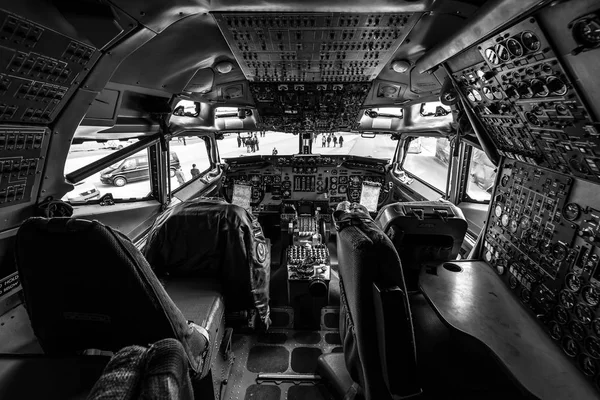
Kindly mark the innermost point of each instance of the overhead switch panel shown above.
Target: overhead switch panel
(308, 47)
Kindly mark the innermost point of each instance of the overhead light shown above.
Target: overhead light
(400, 66)
(224, 67)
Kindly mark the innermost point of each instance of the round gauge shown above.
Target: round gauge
(537, 110)
(525, 295)
(501, 267)
(555, 330)
(487, 92)
(505, 220)
(556, 85)
(333, 179)
(498, 211)
(512, 92)
(513, 282)
(592, 346)
(566, 299)
(570, 346)
(497, 93)
(277, 179)
(333, 186)
(525, 223)
(578, 165)
(334, 172)
(501, 52)
(514, 47)
(530, 41)
(573, 282)
(583, 313)
(572, 211)
(559, 252)
(588, 365)
(577, 330)
(514, 225)
(533, 120)
(476, 95)
(504, 180)
(591, 295)
(586, 31)
(538, 88)
(488, 256)
(562, 317)
(342, 189)
(491, 56)
(343, 179)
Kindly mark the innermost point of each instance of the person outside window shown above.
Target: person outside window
(334, 140)
(341, 140)
(195, 171)
(323, 141)
(256, 142)
(275, 151)
(239, 140)
(328, 141)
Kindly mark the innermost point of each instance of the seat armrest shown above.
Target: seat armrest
(396, 340)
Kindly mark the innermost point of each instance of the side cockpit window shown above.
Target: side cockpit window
(126, 179)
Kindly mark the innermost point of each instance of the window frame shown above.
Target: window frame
(444, 194)
(212, 165)
(465, 177)
(433, 115)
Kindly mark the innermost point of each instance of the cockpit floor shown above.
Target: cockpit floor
(281, 351)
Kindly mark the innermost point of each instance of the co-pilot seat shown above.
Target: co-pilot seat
(204, 246)
(379, 359)
(86, 286)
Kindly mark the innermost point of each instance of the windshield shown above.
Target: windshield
(280, 143)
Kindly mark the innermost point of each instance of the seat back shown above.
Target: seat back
(212, 239)
(375, 320)
(87, 286)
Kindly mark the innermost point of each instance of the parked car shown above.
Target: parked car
(133, 168)
(83, 191)
(118, 144)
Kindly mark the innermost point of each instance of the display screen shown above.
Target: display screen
(369, 195)
(242, 195)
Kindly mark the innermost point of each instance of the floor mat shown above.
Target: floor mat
(307, 337)
(333, 338)
(304, 359)
(301, 392)
(263, 392)
(268, 359)
(272, 338)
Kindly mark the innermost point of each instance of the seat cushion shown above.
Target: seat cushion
(332, 367)
(201, 302)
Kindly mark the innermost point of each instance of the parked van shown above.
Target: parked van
(133, 168)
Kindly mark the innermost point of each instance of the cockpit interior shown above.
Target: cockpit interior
(302, 200)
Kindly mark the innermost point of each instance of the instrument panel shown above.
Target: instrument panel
(533, 112)
(303, 178)
(543, 240)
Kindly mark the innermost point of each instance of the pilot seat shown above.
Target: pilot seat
(423, 232)
(86, 286)
(379, 358)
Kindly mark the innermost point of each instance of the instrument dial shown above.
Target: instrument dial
(498, 211)
(572, 211)
(504, 180)
(570, 346)
(525, 295)
(487, 92)
(562, 317)
(502, 52)
(591, 295)
(588, 365)
(505, 220)
(514, 47)
(513, 282)
(525, 223)
(555, 331)
(573, 282)
(501, 267)
(596, 326)
(491, 56)
(592, 346)
(559, 252)
(566, 299)
(333, 179)
(583, 313)
(586, 31)
(530, 41)
(514, 226)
